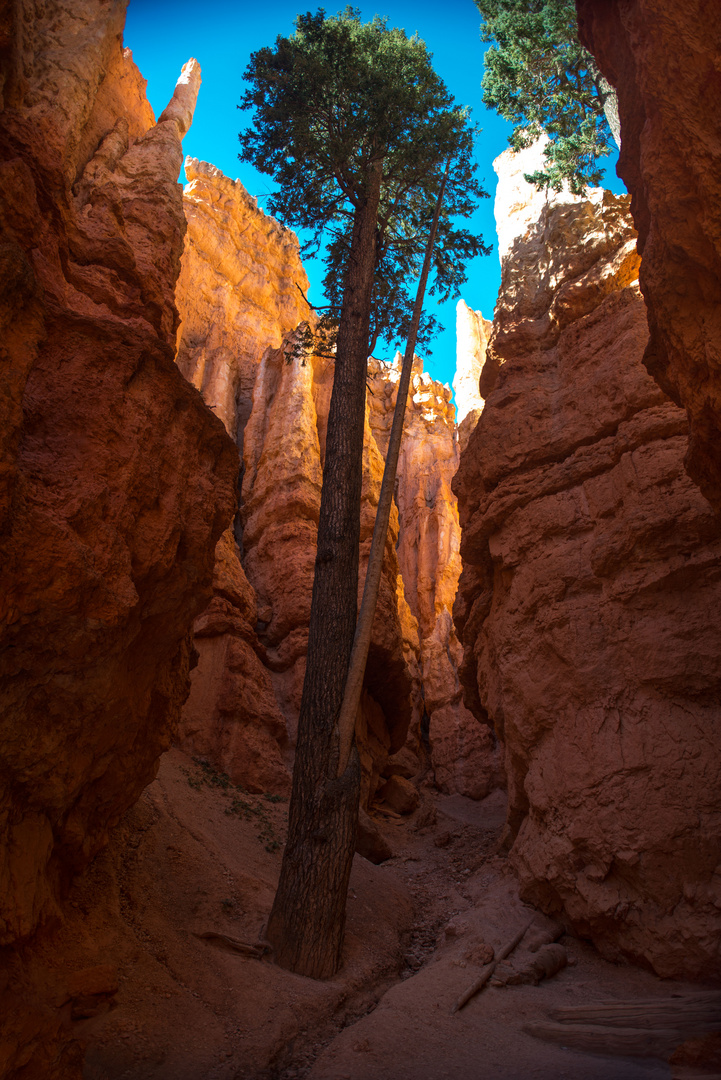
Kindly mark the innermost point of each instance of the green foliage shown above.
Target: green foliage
(331, 102)
(248, 810)
(540, 78)
(242, 805)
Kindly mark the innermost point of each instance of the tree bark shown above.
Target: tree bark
(364, 629)
(610, 108)
(609, 100)
(307, 919)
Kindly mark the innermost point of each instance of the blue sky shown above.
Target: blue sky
(163, 34)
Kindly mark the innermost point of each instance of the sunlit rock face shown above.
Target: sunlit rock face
(664, 58)
(588, 597)
(116, 480)
(239, 291)
(472, 334)
(464, 754)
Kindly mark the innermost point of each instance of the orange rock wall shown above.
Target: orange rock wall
(664, 58)
(115, 480)
(588, 597)
(464, 754)
(240, 301)
(231, 717)
(238, 291)
(238, 297)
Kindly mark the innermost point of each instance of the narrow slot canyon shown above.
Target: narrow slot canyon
(539, 733)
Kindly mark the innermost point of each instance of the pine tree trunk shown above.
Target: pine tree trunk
(307, 920)
(610, 108)
(364, 629)
(608, 98)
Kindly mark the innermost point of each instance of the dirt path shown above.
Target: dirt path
(466, 897)
(196, 857)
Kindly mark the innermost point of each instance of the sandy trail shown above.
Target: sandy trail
(196, 857)
(411, 1035)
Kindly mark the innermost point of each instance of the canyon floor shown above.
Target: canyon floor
(198, 857)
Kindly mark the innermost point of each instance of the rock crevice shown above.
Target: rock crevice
(665, 61)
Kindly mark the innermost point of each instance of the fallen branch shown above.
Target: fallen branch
(233, 943)
(489, 969)
(633, 1028)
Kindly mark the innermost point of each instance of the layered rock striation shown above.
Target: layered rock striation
(241, 290)
(664, 59)
(588, 597)
(116, 481)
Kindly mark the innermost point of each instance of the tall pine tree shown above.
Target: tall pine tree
(538, 76)
(355, 127)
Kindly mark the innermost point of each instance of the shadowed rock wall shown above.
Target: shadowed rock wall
(116, 481)
(664, 58)
(588, 597)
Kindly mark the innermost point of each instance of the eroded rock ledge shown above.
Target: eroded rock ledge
(588, 599)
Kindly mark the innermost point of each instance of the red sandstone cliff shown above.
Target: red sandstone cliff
(588, 598)
(116, 480)
(664, 58)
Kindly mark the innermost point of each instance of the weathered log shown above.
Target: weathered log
(652, 1028)
(489, 969)
(598, 1039)
(696, 1013)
